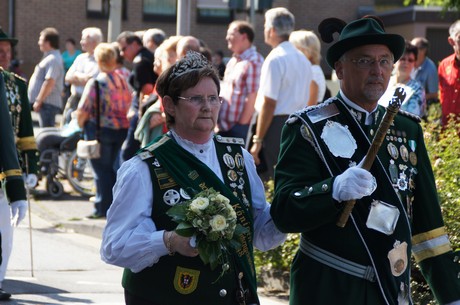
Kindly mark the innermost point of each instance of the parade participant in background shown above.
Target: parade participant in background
(114, 101)
(241, 82)
(415, 93)
(21, 119)
(397, 212)
(163, 267)
(142, 80)
(47, 81)
(425, 70)
(284, 88)
(449, 77)
(82, 70)
(308, 43)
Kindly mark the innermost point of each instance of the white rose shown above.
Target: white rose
(218, 223)
(223, 199)
(199, 204)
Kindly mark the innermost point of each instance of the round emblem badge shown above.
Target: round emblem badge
(171, 197)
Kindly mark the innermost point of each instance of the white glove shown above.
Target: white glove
(18, 211)
(352, 184)
(30, 180)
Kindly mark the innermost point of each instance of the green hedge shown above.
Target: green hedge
(443, 148)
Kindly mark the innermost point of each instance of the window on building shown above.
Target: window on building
(160, 10)
(100, 9)
(213, 11)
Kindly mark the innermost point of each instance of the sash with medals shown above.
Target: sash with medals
(194, 176)
(333, 131)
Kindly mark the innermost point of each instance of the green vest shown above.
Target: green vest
(177, 176)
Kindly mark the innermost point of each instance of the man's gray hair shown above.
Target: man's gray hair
(95, 34)
(454, 29)
(155, 34)
(280, 19)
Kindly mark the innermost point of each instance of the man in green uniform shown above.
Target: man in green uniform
(18, 108)
(397, 210)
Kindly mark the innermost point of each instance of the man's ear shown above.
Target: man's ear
(338, 69)
(169, 106)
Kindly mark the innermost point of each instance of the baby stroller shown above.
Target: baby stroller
(58, 159)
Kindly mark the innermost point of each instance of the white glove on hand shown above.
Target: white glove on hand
(18, 211)
(352, 184)
(30, 180)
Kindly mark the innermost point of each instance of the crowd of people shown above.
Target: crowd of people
(181, 121)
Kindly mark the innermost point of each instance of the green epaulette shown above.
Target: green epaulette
(410, 115)
(229, 140)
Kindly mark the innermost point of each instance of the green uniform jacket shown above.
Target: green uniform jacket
(9, 165)
(316, 146)
(19, 109)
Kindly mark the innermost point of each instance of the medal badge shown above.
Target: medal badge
(412, 155)
(383, 217)
(393, 169)
(229, 161)
(239, 161)
(393, 151)
(339, 139)
(398, 258)
(171, 197)
(404, 153)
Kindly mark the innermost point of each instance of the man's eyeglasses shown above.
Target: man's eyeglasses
(199, 100)
(368, 63)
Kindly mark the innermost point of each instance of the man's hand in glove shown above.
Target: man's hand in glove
(18, 211)
(352, 184)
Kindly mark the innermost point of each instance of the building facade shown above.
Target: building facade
(24, 19)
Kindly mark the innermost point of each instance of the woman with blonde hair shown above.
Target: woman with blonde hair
(114, 101)
(308, 43)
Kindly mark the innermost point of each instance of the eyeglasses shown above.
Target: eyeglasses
(199, 100)
(368, 63)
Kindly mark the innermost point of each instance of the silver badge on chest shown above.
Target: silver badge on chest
(382, 217)
(339, 139)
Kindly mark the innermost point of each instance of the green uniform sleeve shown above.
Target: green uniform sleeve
(303, 187)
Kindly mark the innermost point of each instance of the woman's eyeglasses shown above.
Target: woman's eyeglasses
(199, 100)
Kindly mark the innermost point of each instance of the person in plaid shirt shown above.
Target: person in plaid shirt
(241, 81)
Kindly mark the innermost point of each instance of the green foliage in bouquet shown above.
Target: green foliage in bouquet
(211, 219)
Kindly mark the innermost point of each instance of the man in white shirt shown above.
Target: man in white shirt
(283, 89)
(84, 68)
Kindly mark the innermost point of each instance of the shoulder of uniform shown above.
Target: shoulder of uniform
(147, 151)
(19, 77)
(229, 140)
(410, 115)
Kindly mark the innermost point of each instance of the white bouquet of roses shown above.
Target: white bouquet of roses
(210, 218)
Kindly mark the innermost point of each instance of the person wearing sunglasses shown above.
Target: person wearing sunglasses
(415, 101)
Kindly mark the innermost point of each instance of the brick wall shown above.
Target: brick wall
(69, 18)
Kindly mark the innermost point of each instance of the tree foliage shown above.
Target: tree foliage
(445, 4)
